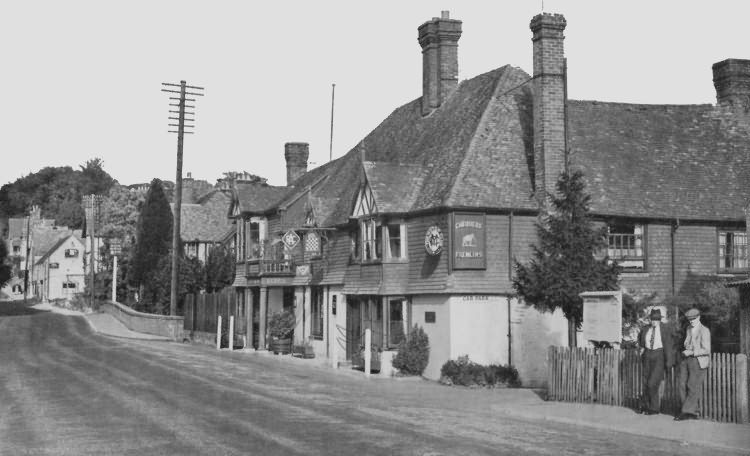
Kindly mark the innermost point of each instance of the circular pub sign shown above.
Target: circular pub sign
(433, 240)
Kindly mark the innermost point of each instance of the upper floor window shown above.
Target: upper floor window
(732, 250)
(372, 240)
(395, 240)
(16, 250)
(70, 253)
(191, 249)
(254, 246)
(626, 245)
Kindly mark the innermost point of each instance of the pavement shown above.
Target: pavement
(521, 402)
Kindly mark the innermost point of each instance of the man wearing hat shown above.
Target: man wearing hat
(656, 356)
(695, 359)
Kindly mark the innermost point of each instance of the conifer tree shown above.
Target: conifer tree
(563, 263)
(6, 268)
(153, 236)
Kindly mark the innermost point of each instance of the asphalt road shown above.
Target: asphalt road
(67, 391)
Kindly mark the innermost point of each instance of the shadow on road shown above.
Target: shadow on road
(17, 309)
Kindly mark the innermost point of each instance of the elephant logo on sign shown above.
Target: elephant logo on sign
(470, 240)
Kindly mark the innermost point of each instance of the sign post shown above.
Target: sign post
(602, 316)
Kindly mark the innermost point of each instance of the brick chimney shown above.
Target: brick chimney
(549, 102)
(296, 154)
(439, 41)
(732, 83)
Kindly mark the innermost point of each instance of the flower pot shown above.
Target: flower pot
(282, 346)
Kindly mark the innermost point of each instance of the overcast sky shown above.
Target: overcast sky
(82, 79)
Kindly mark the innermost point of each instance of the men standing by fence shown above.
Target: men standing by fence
(657, 357)
(693, 366)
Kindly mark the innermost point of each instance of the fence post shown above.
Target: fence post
(368, 354)
(218, 332)
(742, 387)
(231, 333)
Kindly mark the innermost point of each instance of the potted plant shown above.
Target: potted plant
(280, 328)
(305, 350)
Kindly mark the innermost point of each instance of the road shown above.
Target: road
(65, 390)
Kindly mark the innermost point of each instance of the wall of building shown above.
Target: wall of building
(479, 328)
(439, 332)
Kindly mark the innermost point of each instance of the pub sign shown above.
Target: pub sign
(469, 236)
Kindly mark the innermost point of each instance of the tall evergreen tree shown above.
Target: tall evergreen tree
(153, 236)
(563, 262)
(6, 267)
(220, 266)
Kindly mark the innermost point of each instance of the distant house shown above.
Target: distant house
(59, 272)
(205, 223)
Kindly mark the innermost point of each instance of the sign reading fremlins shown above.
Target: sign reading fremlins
(468, 241)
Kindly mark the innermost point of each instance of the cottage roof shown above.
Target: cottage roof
(256, 197)
(207, 221)
(56, 245)
(476, 152)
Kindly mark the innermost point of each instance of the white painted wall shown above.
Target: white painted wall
(439, 333)
(532, 332)
(479, 328)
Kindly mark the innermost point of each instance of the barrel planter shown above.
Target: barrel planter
(282, 346)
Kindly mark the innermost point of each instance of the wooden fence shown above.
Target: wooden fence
(203, 309)
(615, 377)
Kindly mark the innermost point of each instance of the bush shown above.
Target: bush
(467, 373)
(413, 353)
(281, 324)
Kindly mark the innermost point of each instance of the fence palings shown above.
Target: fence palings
(615, 377)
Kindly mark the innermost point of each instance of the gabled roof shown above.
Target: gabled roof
(206, 222)
(476, 152)
(56, 245)
(256, 197)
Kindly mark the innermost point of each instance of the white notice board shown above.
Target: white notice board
(602, 316)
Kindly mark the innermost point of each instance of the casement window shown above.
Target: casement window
(54, 265)
(240, 240)
(69, 286)
(372, 240)
(71, 253)
(626, 245)
(256, 232)
(395, 240)
(316, 308)
(732, 250)
(397, 325)
(191, 249)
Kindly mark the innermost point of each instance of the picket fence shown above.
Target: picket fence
(615, 377)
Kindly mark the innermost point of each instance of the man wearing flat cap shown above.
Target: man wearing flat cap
(656, 357)
(694, 364)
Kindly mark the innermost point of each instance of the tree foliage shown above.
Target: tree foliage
(157, 289)
(57, 191)
(6, 267)
(220, 266)
(153, 235)
(563, 263)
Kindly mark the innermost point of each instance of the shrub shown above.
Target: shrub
(467, 373)
(281, 324)
(413, 353)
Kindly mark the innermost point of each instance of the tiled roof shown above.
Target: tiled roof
(476, 151)
(257, 197)
(688, 161)
(52, 248)
(206, 222)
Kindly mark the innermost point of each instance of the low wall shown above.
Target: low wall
(158, 325)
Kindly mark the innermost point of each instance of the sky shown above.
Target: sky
(83, 79)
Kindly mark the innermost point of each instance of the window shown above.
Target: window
(372, 240)
(395, 240)
(355, 241)
(732, 250)
(69, 285)
(240, 240)
(71, 253)
(317, 312)
(397, 325)
(254, 248)
(191, 249)
(54, 265)
(626, 245)
(16, 250)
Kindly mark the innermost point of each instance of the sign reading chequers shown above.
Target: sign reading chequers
(469, 246)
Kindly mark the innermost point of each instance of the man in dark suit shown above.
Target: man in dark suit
(657, 357)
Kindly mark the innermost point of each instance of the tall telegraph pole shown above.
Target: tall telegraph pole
(181, 126)
(92, 206)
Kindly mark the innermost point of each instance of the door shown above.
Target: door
(353, 326)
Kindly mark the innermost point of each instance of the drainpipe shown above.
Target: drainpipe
(673, 231)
